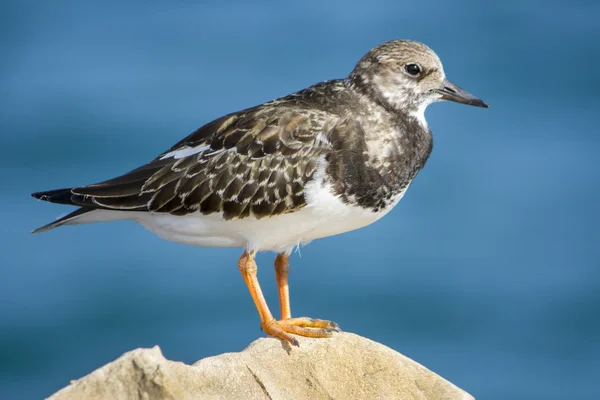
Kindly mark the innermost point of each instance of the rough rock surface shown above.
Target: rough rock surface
(346, 366)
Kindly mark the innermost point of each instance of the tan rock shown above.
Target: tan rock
(346, 366)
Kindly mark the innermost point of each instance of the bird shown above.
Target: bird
(331, 158)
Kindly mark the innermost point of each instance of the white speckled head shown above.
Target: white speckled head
(406, 76)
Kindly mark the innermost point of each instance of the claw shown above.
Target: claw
(303, 326)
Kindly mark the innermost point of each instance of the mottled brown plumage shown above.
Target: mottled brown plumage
(256, 163)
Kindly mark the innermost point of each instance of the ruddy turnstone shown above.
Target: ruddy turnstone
(331, 158)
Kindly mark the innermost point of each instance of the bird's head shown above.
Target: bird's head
(406, 76)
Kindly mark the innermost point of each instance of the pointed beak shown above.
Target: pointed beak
(450, 91)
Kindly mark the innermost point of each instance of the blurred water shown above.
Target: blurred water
(487, 273)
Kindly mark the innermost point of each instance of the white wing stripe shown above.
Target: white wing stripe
(184, 152)
(188, 151)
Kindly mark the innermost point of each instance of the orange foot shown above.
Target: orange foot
(303, 326)
(286, 326)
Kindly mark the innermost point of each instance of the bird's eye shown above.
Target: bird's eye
(413, 69)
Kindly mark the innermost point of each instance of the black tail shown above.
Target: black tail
(60, 196)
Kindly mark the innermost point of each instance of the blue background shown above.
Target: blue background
(488, 272)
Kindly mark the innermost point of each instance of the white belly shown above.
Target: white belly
(280, 233)
(324, 215)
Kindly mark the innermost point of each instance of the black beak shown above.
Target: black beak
(450, 91)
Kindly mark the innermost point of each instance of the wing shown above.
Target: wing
(252, 163)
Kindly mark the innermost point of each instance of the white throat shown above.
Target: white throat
(419, 113)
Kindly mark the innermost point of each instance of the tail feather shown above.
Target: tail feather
(60, 196)
(122, 202)
(61, 221)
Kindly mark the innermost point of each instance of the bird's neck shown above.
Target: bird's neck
(396, 102)
(364, 86)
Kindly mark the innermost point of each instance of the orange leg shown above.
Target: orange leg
(282, 269)
(282, 329)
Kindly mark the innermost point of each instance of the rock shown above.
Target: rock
(345, 366)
